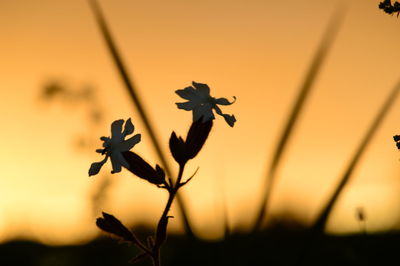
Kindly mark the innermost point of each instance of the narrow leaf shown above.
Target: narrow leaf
(297, 108)
(112, 225)
(320, 223)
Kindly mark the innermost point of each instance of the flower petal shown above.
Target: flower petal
(187, 93)
(204, 111)
(116, 129)
(224, 101)
(115, 162)
(95, 168)
(230, 119)
(129, 128)
(218, 110)
(202, 88)
(188, 106)
(128, 144)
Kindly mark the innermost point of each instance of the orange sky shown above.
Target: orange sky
(255, 50)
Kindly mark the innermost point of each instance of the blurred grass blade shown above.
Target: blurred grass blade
(132, 90)
(320, 222)
(298, 106)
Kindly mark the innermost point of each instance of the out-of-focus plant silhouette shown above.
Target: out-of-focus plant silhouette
(85, 97)
(138, 105)
(58, 91)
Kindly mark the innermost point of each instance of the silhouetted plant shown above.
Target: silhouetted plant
(397, 140)
(118, 149)
(390, 8)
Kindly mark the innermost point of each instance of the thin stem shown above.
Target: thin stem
(162, 223)
(141, 246)
(172, 193)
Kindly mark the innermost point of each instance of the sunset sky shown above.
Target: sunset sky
(256, 50)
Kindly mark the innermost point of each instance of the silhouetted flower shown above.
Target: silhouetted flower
(390, 8)
(201, 103)
(115, 146)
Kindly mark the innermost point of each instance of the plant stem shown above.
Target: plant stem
(162, 223)
(156, 259)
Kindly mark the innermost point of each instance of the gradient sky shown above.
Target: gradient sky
(255, 50)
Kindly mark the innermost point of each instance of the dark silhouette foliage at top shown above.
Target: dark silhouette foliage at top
(390, 8)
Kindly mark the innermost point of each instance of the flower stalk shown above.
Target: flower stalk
(118, 149)
(161, 233)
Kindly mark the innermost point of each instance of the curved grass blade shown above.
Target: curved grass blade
(132, 90)
(304, 91)
(320, 222)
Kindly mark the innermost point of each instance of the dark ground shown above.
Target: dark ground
(273, 247)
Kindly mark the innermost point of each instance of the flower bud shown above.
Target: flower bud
(112, 225)
(197, 136)
(183, 151)
(177, 148)
(142, 169)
